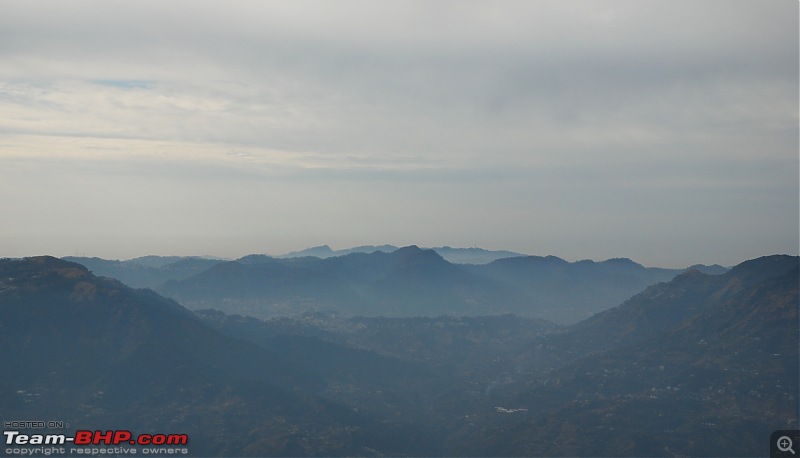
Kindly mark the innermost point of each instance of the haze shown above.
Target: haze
(662, 131)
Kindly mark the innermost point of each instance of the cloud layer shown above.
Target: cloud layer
(663, 131)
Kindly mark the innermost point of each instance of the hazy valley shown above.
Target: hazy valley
(404, 353)
(388, 281)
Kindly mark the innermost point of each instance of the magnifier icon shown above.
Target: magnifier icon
(785, 444)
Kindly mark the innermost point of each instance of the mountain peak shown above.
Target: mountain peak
(690, 273)
(254, 259)
(622, 262)
(714, 269)
(321, 251)
(419, 253)
(35, 267)
(51, 262)
(774, 265)
(414, 258)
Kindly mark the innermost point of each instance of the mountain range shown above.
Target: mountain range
(96, 354)
(408, 281)
(152, 271)
(147, 271)
(701, 365)
(473, 255)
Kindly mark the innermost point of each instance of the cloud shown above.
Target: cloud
(516, 106)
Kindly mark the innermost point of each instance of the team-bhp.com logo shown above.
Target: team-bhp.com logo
(83, 437)
(84, 442)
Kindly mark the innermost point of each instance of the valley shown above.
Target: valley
(700, 364)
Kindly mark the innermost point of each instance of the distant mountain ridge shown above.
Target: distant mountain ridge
(453, 255)
(691, 292)
(412, 281)
(325, 251)
(147, 271)
(374, 281)
(473, 255)
(407, 281)
(700, 366)
(582, 288)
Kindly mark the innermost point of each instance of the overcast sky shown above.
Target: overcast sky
(663, 131)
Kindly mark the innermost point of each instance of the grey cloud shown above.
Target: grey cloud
(519, 107)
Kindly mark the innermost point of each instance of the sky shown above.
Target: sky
(661, 131)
